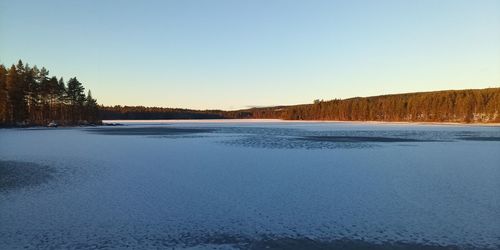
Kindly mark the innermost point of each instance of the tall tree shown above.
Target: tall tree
(4, 97)
(61, 98)
(91, 108)
(76, 98)
(16, 91)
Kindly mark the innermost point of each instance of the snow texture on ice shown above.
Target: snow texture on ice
(251, 185)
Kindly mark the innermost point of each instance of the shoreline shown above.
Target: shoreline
(107, 123)
(299, 121)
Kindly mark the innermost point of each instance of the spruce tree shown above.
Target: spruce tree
(76, 98)
(91, 108)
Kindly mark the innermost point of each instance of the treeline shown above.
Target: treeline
(478, 105)
(469, 106)
(154, 113)
(28, 96)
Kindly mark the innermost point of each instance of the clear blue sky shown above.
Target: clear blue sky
(237, 53)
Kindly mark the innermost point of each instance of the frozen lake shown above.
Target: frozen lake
(242, 184)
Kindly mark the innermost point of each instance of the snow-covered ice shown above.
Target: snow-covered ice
(227, 184)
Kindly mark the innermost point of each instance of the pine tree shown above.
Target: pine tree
(27, 94)
(61, 98)
(16, 92)
(4, 97)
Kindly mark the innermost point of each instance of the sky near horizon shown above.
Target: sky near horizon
(236, 54)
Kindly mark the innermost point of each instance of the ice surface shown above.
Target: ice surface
(15, 175)
(251, 185)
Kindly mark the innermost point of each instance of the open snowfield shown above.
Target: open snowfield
(242, 184)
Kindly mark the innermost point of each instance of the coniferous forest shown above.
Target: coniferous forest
(119, 112)
(29, 96)
(465, 106)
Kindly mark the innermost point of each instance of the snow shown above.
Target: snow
(238, 180)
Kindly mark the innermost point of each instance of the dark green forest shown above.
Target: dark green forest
(466, 106)
(29, 96)
(152, 113)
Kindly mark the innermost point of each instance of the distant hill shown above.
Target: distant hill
(467, 106)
